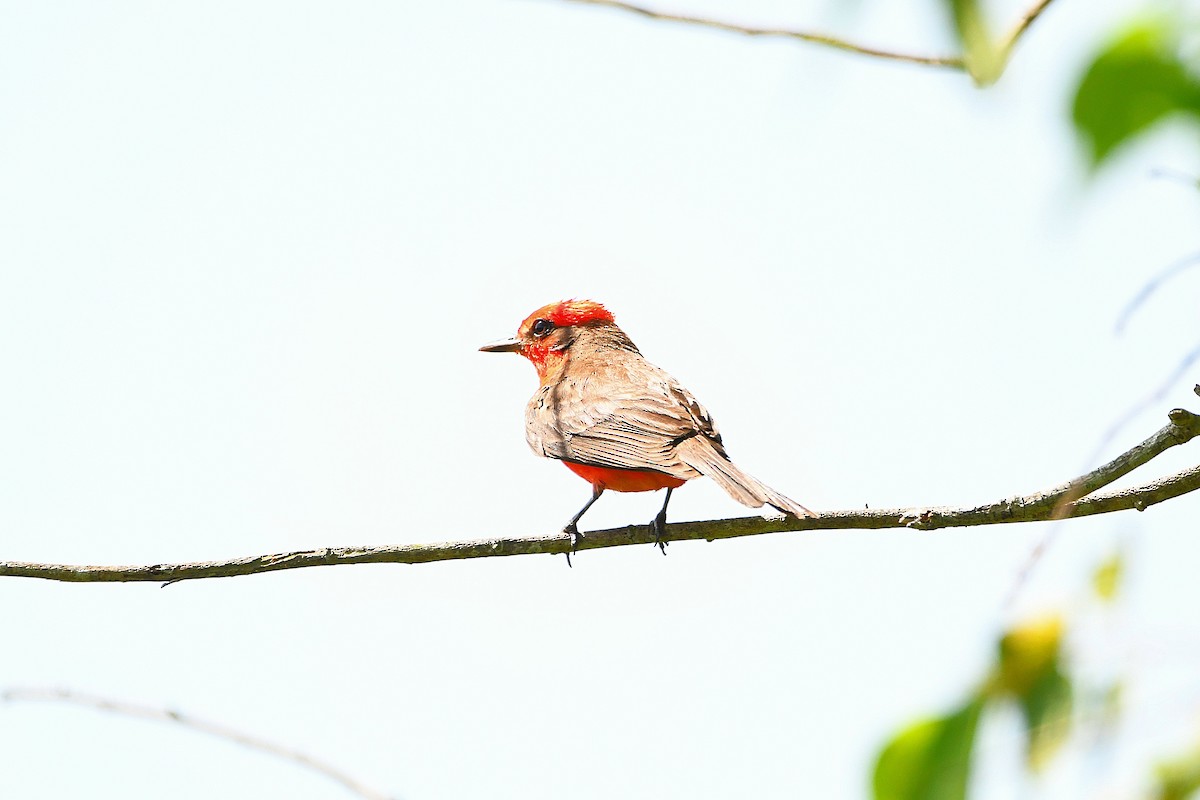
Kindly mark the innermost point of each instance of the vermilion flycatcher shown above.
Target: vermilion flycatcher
(615, 419)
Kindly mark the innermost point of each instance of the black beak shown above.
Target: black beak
(503, 346)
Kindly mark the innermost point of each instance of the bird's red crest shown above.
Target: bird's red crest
(532, 336)
(566, 313)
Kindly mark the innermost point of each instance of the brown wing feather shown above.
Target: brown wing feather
(741, 486)
(612, 408)
(616, 410)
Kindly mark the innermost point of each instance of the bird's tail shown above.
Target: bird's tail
(699, 454)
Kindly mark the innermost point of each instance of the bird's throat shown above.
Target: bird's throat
(549, 362)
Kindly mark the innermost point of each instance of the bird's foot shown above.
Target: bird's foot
(575, 535)
(659, 528)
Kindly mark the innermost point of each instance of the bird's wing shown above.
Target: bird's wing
(626, 414)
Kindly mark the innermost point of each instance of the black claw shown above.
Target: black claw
(659, 528)
(573, 532)
(575, 535)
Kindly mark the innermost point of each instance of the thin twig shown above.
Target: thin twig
(1075, 492)
(954, 62)
(1005, 46)
(1122, 465)
(1176, 175)
(1151, 287)
(1022, 25)
(1038, 507)
(1152, 399)
(1072, 494)
(211, 728)
(1140, 498)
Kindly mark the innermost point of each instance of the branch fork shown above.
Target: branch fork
(1078, 497)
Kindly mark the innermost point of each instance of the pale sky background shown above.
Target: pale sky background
(247, 254)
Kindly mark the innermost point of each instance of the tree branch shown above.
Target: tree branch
(1018, 30)
(1005, 45)
(954, 62)
(1073, 499)
(211, 728)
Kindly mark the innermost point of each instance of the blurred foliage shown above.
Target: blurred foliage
(983, 55)
(1028, 672)
(1107, 709)
(1047, 711)
(1135, 82)
(1179, 778)
(931, 759)
(1106, 580)
(1026, 655)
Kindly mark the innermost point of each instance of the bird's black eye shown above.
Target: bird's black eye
(541, 327)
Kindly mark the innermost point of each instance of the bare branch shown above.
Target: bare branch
(211, 728)
(1018, 30)
(954, 62)
(1005, 45)
(1076, 490)
(1072, 499)
(1175, 433)
(1153, 399)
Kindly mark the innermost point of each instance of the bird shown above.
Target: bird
(618, 421)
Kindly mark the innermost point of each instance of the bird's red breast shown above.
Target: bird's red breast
(624, 480)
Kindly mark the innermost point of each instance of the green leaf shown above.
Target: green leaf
(982, 54)
(930, 759)
(1133, 84)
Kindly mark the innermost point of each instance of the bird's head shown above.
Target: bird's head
(546, 334)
